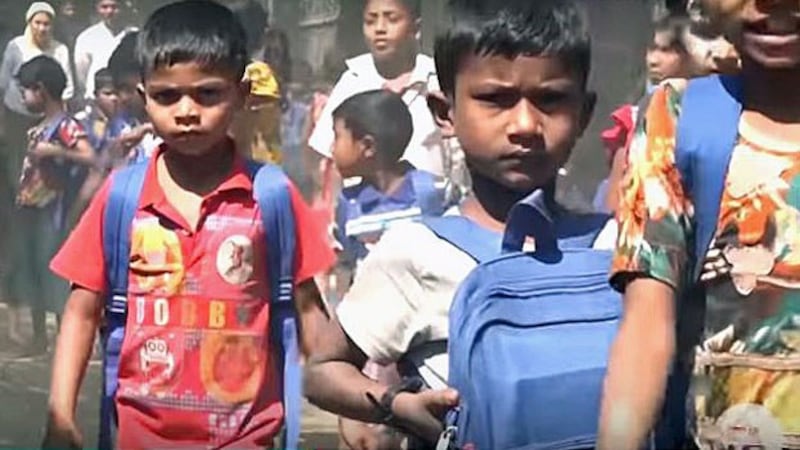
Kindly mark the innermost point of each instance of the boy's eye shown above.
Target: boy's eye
(500, 99)
(209, 95)
(166, 96)
(551, 100)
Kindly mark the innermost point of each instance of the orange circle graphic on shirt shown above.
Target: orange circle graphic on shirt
(232, 366)
(156, 261)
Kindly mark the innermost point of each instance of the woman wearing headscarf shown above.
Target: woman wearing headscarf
(36, 40)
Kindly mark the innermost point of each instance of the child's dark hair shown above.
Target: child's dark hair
(123, 64)
(413, 6)
(193, 31)
(103, 79)
(512, 28)
(382, 115)
(43, 71)
(674, 27)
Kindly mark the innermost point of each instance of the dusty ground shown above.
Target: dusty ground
(23, 393)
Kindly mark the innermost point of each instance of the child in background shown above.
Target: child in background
(136, 140)
(394, 62)
(256, 129)
(196, 241)
(372, 130)
(98, 120)
(55, 146)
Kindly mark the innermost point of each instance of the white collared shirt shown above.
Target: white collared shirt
(425, 149)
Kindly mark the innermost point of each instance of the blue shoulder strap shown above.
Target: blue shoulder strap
(477, 242)
(123, 201)
(708, 128)
(429, 198)
(52, 128)
(271, 190)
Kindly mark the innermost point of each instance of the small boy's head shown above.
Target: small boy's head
(514, 76)
(192, 55)
(105, 94)
(254, 19)
(372, 131)
(766, 33)
(126, 75)
(391, 27)
(42, 81)
(667, 54)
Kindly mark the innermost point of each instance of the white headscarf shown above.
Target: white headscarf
(34, 9)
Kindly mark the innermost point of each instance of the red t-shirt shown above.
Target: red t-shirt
(196, 365)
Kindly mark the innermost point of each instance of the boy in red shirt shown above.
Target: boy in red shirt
(196, 366)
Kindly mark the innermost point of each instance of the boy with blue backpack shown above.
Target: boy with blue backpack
(191, 265)
(514, 79)
(708, 231)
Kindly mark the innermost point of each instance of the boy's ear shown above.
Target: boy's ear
(367, 146)
(442, 109)
(587, 110)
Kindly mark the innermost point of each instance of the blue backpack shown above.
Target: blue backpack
(530, 332)
(270, 186)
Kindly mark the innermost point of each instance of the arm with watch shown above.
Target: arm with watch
(334, 382)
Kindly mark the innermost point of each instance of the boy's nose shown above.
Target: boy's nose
(187, 113)
(525, 121)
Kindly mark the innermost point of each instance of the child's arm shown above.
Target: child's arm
(334, 380)
(82, 153)
(649, 266)
(73, 348)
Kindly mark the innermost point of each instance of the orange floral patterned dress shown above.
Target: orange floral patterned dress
(747, 368)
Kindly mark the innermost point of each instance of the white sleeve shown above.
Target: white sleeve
(321, 139)
(381, 311)
(62, 56)
(83, 59)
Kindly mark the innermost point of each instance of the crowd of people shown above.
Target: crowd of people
(141, 204)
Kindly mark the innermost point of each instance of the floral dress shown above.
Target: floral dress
(746, 387)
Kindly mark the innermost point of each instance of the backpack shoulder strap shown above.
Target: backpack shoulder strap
(121, 206)
(477, 242)
(429, 197)
(707, 131)
(271, 191)
(52, 127)
(580, 230)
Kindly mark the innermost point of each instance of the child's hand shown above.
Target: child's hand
(62, 436)
(423, 413)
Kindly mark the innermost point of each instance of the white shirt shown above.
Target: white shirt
(424, 150)
(401, 296)
(93, 49)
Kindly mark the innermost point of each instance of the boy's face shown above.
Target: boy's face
(33, 97)
(190, 107)
(347, 150)
(389, 28)
(107, 10)
(516, 119)
(107, 100)
(130, 100)
(766, 32)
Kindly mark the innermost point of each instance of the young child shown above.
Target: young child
(55, 146)
(98, 119)
(256, 129)
(514, 81)
(195, 366)
(372, 130)
(136, 141)
(724, 245)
